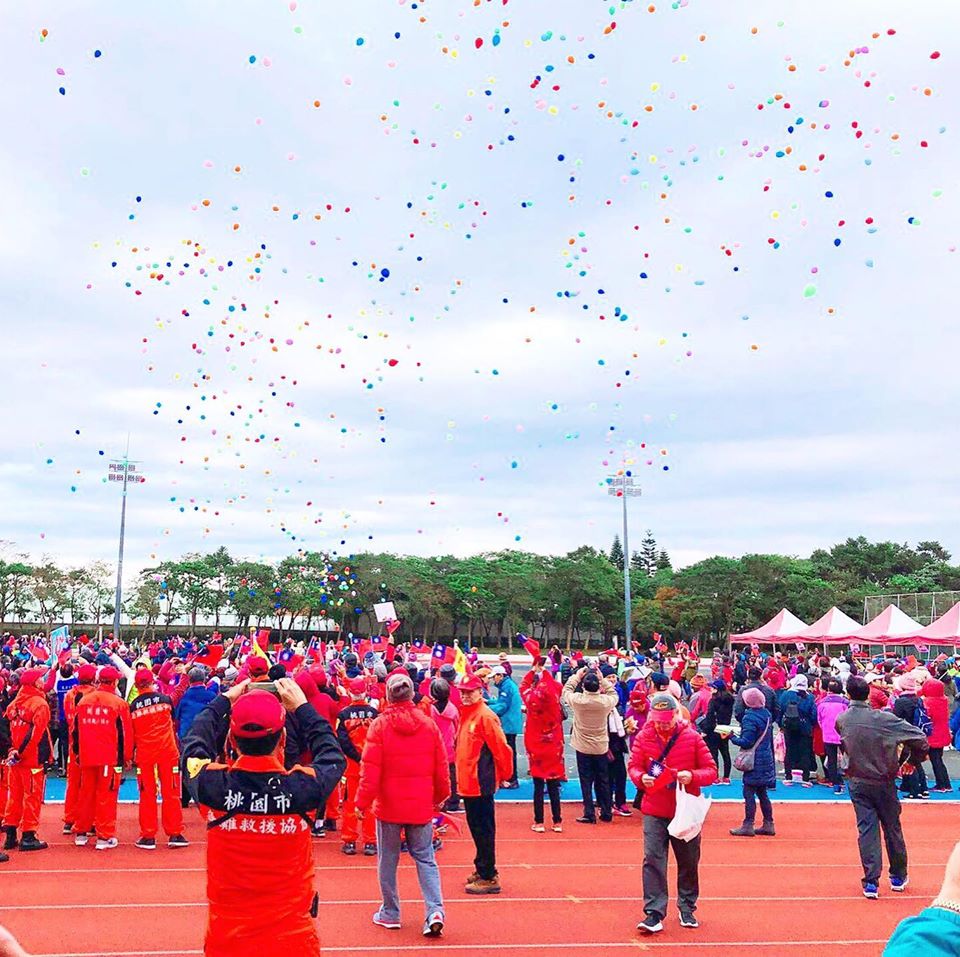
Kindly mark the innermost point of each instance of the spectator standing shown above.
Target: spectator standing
(798, 715)
(195, 698)
(507, 706)
(754, 680)
(446, 716)
(756, 733)
(938, 709)
(829, 708)
(543, 738)
(905, 707)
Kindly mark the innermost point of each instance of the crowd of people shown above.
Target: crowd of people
(380, 744)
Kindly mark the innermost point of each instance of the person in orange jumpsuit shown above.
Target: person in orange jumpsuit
(104, 746)
(30, 749)
(7, 695)
(86, 676)
(157, 757)
(260, 868)
(352, 724)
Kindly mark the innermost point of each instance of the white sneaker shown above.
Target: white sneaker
(80, 840)
(433, 926)
(384, 922)
(106, 843)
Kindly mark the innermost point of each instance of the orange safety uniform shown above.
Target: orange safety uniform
(260, 868)
(158, 758)
(352, 725)
(72, 795)
(29, 718)
(104, 744)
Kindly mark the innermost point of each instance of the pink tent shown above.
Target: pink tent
(831, 629)
(784, 626)
(890, 627)
(945, 630)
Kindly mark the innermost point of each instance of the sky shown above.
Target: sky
(420, 276)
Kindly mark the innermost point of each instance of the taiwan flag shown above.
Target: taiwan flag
(530, 646)
(442, 655)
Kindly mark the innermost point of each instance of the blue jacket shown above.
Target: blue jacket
(194, 700)
(764, 773)
(506, 706)
(932, 933)
(806, 706)
(62, 686)
(955, 728)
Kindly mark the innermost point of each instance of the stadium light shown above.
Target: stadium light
(125, 471)
(621, 486)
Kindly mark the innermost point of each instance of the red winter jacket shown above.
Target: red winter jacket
(104, 731)
(689, 753)
(323, 704)
(29, 717)
(543, 734)
(403, 772)
(935, 701)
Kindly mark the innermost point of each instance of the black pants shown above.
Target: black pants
(877, 806)
(454, 800)
(719, 748)
(656, 842)
(594, 773)
(833, 764)
(939, 768)
(553, 787)
(512, 741)
(63, 746)
(914, 783)
(799, 754)
(751, 795)
(483, 829)
(618, 779)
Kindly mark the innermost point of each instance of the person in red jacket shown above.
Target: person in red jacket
(935, 701)
(543, 738)
(260, 869)
(667, 753)
(157, 756)
(310, 682)
(404, 777)
(103, 746)
(483, 758)
(353, 723)
(86, 676)
(30, 748)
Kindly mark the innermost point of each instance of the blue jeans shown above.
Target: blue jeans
(420, 842)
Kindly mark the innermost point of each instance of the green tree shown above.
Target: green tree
(616, 553)
(648, 554)
(15, 576)
(50, 590)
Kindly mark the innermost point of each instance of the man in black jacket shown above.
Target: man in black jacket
(873, 740)
(754, 675)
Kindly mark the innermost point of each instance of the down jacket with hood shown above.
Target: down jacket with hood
(935, 701)
(543, 735)
(404, 773)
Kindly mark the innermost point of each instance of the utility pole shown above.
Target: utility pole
(621, 486)
(125, 471)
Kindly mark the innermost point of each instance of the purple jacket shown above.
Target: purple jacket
(829, 709)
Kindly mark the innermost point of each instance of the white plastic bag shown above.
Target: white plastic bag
(691, 813)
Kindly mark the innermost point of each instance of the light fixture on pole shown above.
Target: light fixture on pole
(125, 471)
(621, 486)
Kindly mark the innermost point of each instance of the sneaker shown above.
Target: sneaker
(942, 790)
(369, 850)
(557, 828)
(838, 789)
(808, 784)
(473, 877)
(925, 796)
(437, 844)
(146, 843)
(481, 886)
(688, 919)
(723, 781)
(788, 783)
(4, 858)
(177, 840)
(349, 848)
(745, 830)
(67, 828)
(330, 824)
(510, 785)
(539, 828)
(586, 820)
(871, 891)
(457, 809)
(606, 820)
(106, 843)
(899, 884)
(80, 839)
(650, 925)
(433, 926)
(318, 829)
(382, 921)
(623, 811)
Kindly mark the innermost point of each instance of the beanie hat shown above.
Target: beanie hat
(719, 684)
(908, 684)
(753, 698)
(399, 688)
(256, 714)
(697, 681)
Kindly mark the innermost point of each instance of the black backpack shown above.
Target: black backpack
(791, 717)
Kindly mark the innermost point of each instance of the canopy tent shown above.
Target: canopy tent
(890, 627)
(945, 630)
(830, 629)
(784, 626)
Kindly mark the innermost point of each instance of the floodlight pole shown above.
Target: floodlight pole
(126, 466)
(623, 486)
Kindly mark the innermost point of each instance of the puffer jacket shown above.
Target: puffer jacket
(935, 701)
(403, 772)
(483, 758)
(689, 753)
(589, 710)
(543, 735)
(764, 773)
(879, 696)
(507, 706)
(829, 708)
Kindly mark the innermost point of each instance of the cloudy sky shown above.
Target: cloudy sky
(419, 276)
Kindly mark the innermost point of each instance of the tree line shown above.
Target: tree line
(481, 597)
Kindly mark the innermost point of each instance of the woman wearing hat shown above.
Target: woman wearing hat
(756, 733)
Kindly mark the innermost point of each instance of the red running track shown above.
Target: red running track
(571, 893)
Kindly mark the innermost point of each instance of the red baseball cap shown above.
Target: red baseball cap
(31, 676)
(256, 715)
(257, 667)
(109, 675)
(470, 683)
(358, 686)
(143, 678)
(87, 674)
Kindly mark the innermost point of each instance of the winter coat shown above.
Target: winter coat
(806, 708)
(483, 757)
(769, 696)
(29, 718)
(543, 735)
(905, 707)
(194, 700)
(447, 722)
(775, 677)
(104, 731)
(699, 703)
(507, 706)
(879, 696)
(955, 728)
(689, 753)
(404, 772)
(764, 773)
(935, 701)
(719, 711)
(589, 710)
(828, 709)
(873, 741)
